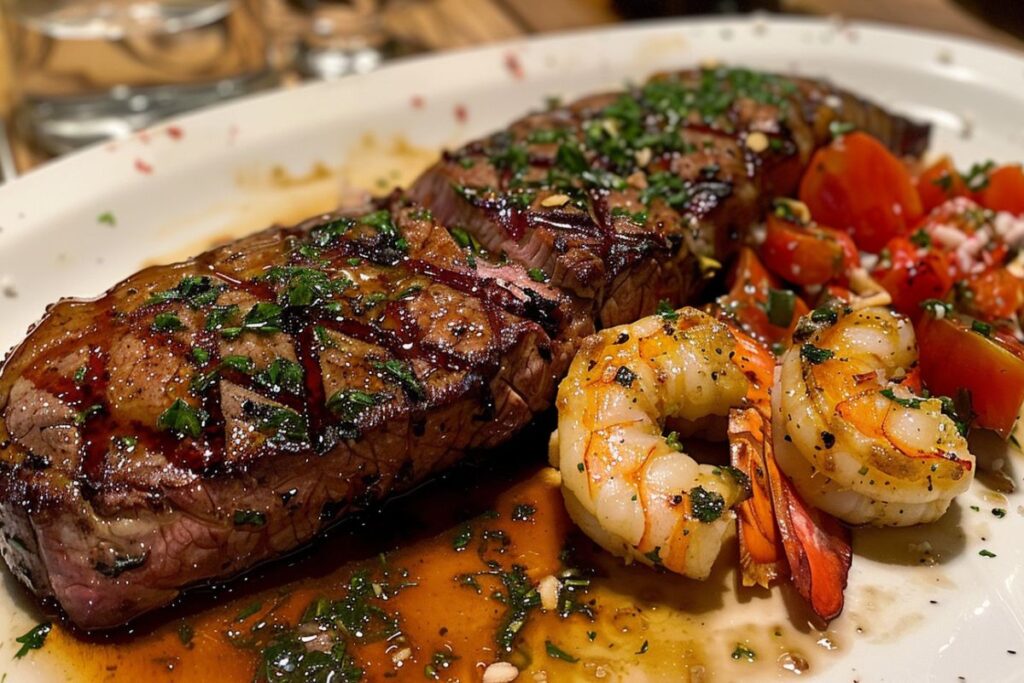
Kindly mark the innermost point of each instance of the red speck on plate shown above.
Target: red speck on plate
(461, 113)
(143, 136)
(143, 167)
(417, 102)
(175, 132)
(514, 66)
(232, 133)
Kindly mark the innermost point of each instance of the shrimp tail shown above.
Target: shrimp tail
(762, 558)
(817, 546)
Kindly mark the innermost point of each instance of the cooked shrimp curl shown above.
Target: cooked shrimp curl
(855, 439)
(625, 484)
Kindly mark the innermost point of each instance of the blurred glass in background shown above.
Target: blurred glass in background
(341, 37)
(88, 70)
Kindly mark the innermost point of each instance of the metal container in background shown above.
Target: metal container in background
(89, 70)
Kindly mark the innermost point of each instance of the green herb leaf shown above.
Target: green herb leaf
(837, 128)
(402, 373)
(167, 322)
(537, 275)
(182, 420)
(813, 354)
(281, 375)
(982, 328)
(743, 652)
(194, 290)
(706, 506)
(556, 652)
(523, 512)
(249, 518)
(349, 404)
(107, 218)
(780, 306)
(33, 640)
(462, 538)
(264, 317)
(666, 311)
(283, 425)
(625, 377)
(986, 553)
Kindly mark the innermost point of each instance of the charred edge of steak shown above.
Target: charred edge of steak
(587, 192)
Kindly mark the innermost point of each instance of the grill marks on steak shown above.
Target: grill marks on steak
(202, 417)
(601, 193)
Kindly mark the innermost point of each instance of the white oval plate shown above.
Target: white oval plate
(173, 189)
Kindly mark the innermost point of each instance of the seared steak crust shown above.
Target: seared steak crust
(621, 198)
(202, 417)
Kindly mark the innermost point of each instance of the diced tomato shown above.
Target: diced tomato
(995, 293)
(856, 185)
(806, 254)
(938, 183)
(957, 354)
(758, 303)
(912, 274)
(1004, 190)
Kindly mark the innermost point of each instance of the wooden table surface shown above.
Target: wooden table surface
(440, 24)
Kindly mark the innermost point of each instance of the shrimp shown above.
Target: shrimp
(626, 485)
(778, 532)
(856, 442)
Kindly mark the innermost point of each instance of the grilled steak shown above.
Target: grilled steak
(621, 198)
(203, 417)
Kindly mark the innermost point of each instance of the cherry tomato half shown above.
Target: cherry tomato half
(1004, 190)
(957, 354)
(912, 274)
(856, 185)
(758, 303)
(806, 254)
(938, 183)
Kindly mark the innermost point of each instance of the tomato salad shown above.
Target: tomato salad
(942, 245)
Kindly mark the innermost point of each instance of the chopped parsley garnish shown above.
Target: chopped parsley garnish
(304, 286)
(264, 318)
(186, 633)
(814, 354)
(673, 441)
(200, 355)
(982, 328)
(249, 610)
(520, 597)
(79, 377)
(556, 652)
(327, 235)
(780, 306)
(282, 425)
(523, 512)
(218, 316)
(998, 512)
(912, 402)
(937, 308)
(655, 555)
(107, 218)
(82, 416)
(349, 404)
(824, 315)
(402, 373)
(838, 128)
(743, 652)
(202, 382)
(643, 648)
(249, 518)
(706, 506)
(182, 420)
(167, 322)
(921, 238)
(386, 228)
(976, 177)
(196, 291)
(986, 553)
(281, 375)
(462, 538)
(666, 311)
(537, 275)
(33, 640)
